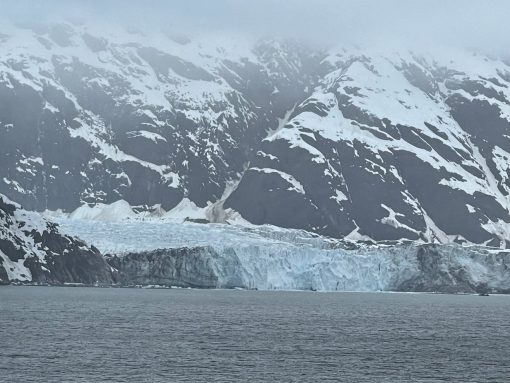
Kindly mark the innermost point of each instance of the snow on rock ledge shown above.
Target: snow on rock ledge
(32, 250)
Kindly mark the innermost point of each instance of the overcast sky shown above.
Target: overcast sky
(473, 23)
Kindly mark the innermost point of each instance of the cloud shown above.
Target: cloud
(481, 25)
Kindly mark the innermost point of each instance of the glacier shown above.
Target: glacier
(268, 257)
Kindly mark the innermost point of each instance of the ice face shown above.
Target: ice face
(267, 257)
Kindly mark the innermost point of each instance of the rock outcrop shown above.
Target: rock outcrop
(182, 267)
(32, 250)
(452, 269)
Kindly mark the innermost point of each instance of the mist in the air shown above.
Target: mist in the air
(388, 23)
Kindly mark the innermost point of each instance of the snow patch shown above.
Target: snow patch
(295, 184)
(146, 134)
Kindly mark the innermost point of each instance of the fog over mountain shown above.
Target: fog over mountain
(362, 121)
(271, 150)
(386, 24)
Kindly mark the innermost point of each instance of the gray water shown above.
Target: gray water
(51, 334)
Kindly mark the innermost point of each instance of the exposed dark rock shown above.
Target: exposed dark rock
(183, 267)
(32, 250)
(440, 271)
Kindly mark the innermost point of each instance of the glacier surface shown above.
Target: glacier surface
(268, 257)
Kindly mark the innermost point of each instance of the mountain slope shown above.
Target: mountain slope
(33, 250)
(390, 147)
(351, 142)
(88, 119)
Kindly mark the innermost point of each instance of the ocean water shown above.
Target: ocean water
(52, 334)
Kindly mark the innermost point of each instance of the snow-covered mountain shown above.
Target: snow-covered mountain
(391, 146)
(90, 116)
(32, 249)
(348, 142)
